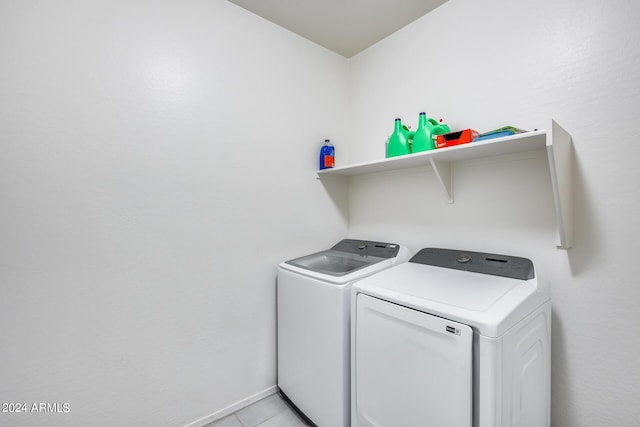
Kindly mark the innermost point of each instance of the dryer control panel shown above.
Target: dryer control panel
(477, 262)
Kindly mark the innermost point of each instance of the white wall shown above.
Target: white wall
(497, 62)
(156, 164)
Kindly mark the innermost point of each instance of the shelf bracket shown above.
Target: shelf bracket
(444, 174)
(559, 152)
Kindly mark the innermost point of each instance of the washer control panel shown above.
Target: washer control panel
(367, 248)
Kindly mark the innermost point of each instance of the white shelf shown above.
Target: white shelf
(556, 142)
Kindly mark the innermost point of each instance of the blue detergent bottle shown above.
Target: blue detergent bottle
(327, 155)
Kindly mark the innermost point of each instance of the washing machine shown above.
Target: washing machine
(451, 338)
(313, 296)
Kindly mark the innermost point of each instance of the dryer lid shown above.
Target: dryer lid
(490, 302)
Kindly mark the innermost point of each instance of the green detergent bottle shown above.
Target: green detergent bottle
(439, 128)
(427, 132)
(398, 141)
(408, 133)
(422, 140)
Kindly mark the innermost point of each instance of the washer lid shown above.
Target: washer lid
(334, 263)
(490, 303)
(347, 256)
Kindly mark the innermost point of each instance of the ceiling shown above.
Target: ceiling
(344, 26)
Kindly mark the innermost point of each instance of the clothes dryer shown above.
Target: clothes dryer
(313, 295)
(451, 338)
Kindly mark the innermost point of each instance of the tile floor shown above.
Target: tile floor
(272, 411)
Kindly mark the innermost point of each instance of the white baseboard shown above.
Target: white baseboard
(233, 407)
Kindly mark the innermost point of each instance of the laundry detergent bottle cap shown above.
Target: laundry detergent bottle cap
(327, 155)
(422, 139)
(398, 141)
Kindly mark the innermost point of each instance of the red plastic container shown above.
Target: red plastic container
(456, 138)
